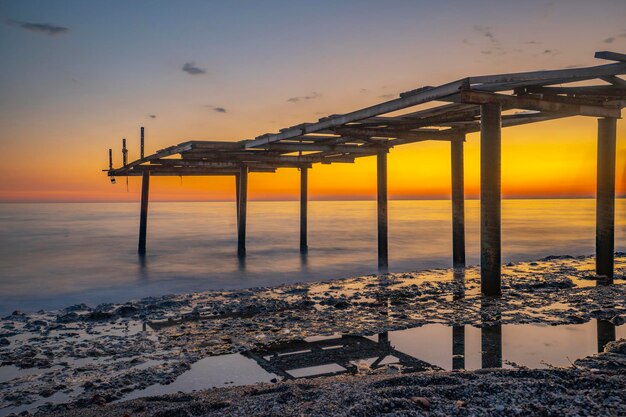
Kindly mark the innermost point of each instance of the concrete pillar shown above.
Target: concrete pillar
(458, 203)
(605, 198)
(241, 213)
(490, 251)
(383, 250)
(143, 217)
(304, 247)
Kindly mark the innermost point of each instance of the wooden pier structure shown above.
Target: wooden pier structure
(447, 112)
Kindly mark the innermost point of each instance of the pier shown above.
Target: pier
(448, 112)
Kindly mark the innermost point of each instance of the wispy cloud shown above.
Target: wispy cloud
(494, 47)
(612, 39)
(217, 109)
(192, 69)
(311, 96)
(44, 28)
(486, 32)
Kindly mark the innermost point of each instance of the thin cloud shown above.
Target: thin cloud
(192, 69)
(486, 32)
(217, 109)
(494, 46)
(311, 96)
(45, 28)
(612, 39)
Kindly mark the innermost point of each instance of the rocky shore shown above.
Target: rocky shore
(593, 386)
(97, 355)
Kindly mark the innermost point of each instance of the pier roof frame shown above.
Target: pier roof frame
(341, 138)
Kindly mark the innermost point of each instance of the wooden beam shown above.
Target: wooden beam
(490, 160)
(605, 199)
(556, 76)
(395, 133)
(592, 90)
(376, 110)
(533, 103)
(615, 80)
(306, 147)
(610, 56)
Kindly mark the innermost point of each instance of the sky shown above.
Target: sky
(78, 76)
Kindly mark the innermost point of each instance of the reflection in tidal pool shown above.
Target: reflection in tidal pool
(430, 347)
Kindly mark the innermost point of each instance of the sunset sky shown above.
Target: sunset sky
(78, 76)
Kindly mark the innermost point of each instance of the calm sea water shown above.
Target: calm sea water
(53, 255)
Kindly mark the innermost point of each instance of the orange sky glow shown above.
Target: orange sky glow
(68, 98)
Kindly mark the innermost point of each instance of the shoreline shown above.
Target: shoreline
(111, 350)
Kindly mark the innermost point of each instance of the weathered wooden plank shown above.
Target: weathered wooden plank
(610, 56)
(395, 133)
(595, 90)
(561, 75)
(376, 110)
(533, 103)
(615, 80)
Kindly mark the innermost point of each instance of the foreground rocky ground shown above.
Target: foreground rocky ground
(593, 386)
(100, 354)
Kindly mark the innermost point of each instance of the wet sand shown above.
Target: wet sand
(100, 355)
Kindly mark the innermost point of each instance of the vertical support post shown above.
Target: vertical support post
(124, 153)
(143, 219)
(110, 159)
(237, 198)
(458, 203)
(383, 250)
(491, 333)
(304, 247)
(141, 144)
(605, 198)
(605, 331)
(458, 347)
(243, 202)
(490, 250)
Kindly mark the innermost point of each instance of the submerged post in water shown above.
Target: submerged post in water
(243, 202)
(143, 219)
(605, 198)
(383, 251)
(458, 203)
(490, 251)
(304, 247)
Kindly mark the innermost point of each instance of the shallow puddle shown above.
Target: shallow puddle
(428, 347)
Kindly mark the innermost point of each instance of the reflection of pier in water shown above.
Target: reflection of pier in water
(341, 354)
(334, 356)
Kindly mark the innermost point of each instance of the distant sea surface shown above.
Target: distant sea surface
(55, 255)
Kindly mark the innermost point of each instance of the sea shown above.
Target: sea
(59, 254)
